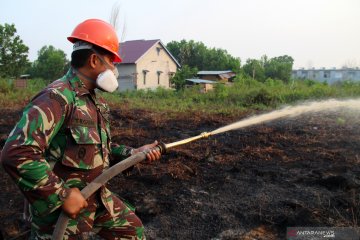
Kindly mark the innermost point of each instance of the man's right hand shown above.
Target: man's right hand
(74, 202)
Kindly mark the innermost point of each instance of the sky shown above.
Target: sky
(316, 33)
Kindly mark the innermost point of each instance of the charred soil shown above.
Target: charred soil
(250, 183)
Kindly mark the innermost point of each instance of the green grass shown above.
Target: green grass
(244, 94)
(11, 97)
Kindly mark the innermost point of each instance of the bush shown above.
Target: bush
(221, 91)
(243, 93)
(309, 82)
(261, 97)
(6, 86)
(274, 83)
(36, 84)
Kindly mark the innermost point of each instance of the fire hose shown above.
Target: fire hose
(103, 178)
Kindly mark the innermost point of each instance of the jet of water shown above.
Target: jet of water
(312, 107)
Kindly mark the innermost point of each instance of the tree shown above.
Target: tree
(275, 68)
(279, 68)
(13, 52)
(255, 69)
(196, 54)
(179, 79)
(50, 63)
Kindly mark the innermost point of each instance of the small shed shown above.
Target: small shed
(206, 85)
(21, 82)
(220, 76)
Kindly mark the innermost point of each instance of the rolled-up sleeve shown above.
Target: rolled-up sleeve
(119, 153)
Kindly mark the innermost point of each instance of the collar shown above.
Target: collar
(81, 90)
(76, 83)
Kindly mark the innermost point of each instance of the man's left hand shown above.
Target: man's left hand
(153, 153)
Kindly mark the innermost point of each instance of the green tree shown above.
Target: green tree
(255, 69)
(50, 64)
(179, 79)
(13, 52)
(279, 68)
(196, 54)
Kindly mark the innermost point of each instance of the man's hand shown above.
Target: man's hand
(73, 203)
(152, 155)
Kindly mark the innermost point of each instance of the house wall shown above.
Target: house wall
(152, 62)
(208, 87)
(127, 77)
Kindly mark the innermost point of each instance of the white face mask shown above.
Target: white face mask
(107, 80)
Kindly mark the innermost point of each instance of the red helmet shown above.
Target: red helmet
(99, 33)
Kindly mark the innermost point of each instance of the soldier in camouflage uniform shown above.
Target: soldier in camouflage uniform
(67, 124)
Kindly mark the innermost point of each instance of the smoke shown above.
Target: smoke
(115, 22)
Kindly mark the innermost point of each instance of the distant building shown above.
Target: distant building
(220, 76)
(146, 64)
(328, 75)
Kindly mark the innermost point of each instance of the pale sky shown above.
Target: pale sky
(316, 33)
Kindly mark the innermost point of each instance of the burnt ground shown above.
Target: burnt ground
(251, 183)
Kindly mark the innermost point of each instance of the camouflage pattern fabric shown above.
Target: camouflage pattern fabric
(67, 127)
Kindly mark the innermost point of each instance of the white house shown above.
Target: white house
(146, 64)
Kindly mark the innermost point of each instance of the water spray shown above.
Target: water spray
(101, 180)
(287, 112)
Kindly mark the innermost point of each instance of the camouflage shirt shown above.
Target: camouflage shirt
(62, 140)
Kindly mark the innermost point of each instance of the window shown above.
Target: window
(144, 74)
(171, 75)
(158, 75)
(326, 74)
(158, 49)
(135, 76)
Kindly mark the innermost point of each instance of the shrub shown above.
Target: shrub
(274, 82)
(221, 91)
(36, 84)
(244, 93)
(6, 86)
(260, 97)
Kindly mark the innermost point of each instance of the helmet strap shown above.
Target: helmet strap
(101, 58)
(84, 76)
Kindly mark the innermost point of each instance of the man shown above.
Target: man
(67, 124)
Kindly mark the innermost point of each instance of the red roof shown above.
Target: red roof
(131, 51)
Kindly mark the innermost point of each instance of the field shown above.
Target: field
(251, 183)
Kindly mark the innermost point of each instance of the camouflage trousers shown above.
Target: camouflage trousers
(95, 219)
